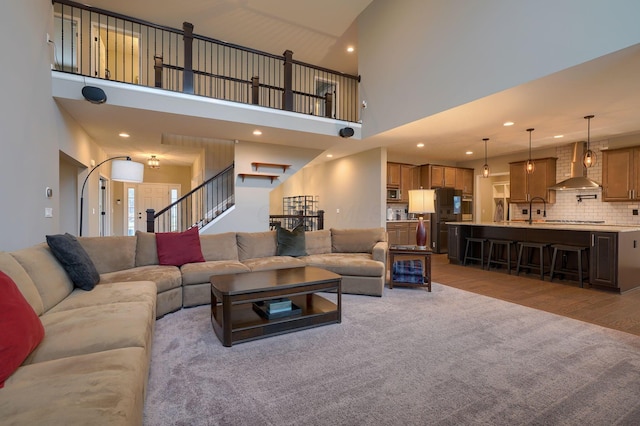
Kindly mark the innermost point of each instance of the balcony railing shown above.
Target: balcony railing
(102, 44)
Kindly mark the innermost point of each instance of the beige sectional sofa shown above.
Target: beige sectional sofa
(92, 364)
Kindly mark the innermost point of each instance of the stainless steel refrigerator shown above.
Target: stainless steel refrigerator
(448, 209)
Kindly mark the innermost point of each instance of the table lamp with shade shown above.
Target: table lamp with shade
(421, 202)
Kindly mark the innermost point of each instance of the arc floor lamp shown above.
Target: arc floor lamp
(122, 170)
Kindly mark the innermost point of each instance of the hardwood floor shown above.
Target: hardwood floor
(607, 309)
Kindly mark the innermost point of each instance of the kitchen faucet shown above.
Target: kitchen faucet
(544, 211)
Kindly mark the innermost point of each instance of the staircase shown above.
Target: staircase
(198, 207)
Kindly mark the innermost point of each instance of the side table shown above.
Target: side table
(408, 251)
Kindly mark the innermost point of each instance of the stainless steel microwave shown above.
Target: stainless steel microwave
(393, 194)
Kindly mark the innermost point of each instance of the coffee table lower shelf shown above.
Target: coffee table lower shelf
(247, 325)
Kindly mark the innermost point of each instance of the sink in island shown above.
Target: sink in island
(614, 250)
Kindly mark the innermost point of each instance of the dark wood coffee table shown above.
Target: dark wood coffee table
(232, 296)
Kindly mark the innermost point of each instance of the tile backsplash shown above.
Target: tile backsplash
(567, 206)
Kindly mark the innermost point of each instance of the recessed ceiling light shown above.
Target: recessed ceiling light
(329, 155)
(469, 152)
(257, 132)
(350, 49)
(124, 135)
(508, 123)
(420, 145)
(558, 136)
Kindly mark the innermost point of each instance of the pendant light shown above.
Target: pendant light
(589, 158)
(529, 165)
(153, 162)
(485, 168)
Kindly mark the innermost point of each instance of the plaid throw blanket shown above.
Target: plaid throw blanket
(408, 271)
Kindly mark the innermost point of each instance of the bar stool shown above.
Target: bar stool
(562, 268)
(469, 255)
(503, 246)
(531, 247)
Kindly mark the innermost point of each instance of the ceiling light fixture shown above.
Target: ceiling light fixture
(485, 168)
(420, 145)
(257, 132)
(469, 152)
(124, 135)
(529, 166)
(508, 123)
(589, 158)
(350, 49)
(153, 162)
(558, 136)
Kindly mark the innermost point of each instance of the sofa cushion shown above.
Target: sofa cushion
(318, 242)
(219, 246)
(10, 266)
(166, 277)
(256, 244)
(47, 274)
(110, 253)
(354, 264)
(21, 328)
(291, 243)
(355, 240)
(201, 272)
(178, 248)
(146, 249)
(269, 263)
(104, 294)
(94, 329)
(103, 388)
(74, 259)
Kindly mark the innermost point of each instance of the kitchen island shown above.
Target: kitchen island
(614, 251)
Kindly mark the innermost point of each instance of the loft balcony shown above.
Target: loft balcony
(96, 43)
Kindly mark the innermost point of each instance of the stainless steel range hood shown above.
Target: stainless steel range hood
(578, 179)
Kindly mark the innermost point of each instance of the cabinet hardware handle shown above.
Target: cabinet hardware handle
(593, 240)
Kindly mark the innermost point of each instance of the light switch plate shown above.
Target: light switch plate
(48, 212)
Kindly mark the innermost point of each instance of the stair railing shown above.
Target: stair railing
(198, 207)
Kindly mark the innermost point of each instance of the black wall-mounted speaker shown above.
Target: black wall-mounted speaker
(93, 94)
(346, 132)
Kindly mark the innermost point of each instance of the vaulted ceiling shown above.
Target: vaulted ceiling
(318, 32)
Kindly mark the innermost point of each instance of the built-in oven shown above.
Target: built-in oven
(466, 208)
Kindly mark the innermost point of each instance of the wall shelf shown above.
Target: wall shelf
(284, 167)
(258, 175)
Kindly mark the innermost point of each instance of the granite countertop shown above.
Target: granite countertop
(570, 226)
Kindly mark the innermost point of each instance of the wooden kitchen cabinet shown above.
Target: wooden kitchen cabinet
(525, 186)
(464, 181)
(404, 233)
(410, 179)
(603, 259)
(399, 233)
(435, 176)
(621, 174)
(393, 174)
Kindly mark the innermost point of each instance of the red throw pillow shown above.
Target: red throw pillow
(21, 328)
(178, 248)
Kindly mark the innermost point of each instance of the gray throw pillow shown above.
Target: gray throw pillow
(291, 243)
(75, 260)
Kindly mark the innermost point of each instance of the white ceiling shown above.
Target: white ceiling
(318, 32)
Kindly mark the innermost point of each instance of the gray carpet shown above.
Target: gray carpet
(448, 357)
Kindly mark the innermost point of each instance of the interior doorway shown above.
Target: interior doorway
(115, 53)
(144, 196)
(324, 86)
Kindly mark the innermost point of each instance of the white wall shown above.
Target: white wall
(432, 55)
(30, 154)
(354, 185)
(251, 213)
